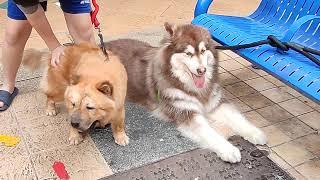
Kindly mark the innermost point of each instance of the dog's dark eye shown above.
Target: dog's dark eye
(90, 108)
(73, 104)
(189, 54)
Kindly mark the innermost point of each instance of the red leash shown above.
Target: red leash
(96, 24)
(94, 13)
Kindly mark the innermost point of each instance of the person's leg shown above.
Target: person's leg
(17, 33)
(80, 28)
(77, 15)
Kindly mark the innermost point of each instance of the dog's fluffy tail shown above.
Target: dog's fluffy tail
(34, 59)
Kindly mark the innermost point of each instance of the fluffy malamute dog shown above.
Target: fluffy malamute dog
(178, 82)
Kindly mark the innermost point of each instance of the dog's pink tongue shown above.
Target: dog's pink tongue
(198, 81)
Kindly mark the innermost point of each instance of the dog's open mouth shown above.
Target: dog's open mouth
(95, 124)
(198, 80)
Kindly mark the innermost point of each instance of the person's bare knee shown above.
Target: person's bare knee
(84, 34)
(80, 27)
(17, 35)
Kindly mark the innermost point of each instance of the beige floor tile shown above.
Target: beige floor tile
(293, 153)
(258, 71)
(139, 7)
(28, 86)
(235, 7)
(227, 78)
(29, 106)
(43, 120)
(275, 136)
(222, 56)
(240, 89)
(310, 103)
(244, 74)
(256, 100)
(278, 160)
(274, 113)
(276, 95)
(240, 105)
(243, 61)
(31, 99)
(310, 170)
(295, 174)
(46, 136)
(311, 143)
(230, 65)
(312, 119)
(124, 23)
(295, 107)
(228, 95)
(18, 167)
(231, 54)
(291, 91)
(91, 174)
(274, 80)
(81, 160)
(10, 127)
(24, 74)
(260, 84)
(294, 128)
(256, 119)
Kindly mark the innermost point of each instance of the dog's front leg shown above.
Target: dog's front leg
(118, 129)
(51, 107)
(229, 115)
(200, 131)
(75, 136)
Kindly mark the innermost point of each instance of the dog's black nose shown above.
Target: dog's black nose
(75, 125)
(201, 71)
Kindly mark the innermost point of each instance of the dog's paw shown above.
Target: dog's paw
(122, 139)
(51, 112)
(256, 136)
(230, 154)
(75, 139)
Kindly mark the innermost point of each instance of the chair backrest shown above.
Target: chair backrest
(284, 12)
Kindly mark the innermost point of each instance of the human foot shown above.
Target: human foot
(6, 97)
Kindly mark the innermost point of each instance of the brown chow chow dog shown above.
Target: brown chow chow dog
(93, 88)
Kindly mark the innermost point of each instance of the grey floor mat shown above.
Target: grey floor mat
(150, 141)
(201, 164)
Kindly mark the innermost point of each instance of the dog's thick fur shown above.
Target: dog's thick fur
(93, 89)
(178, 82)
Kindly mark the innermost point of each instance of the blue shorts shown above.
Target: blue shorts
(68, 6)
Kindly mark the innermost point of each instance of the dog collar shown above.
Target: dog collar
(158, 96)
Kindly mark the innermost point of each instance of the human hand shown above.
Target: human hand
(55, 55)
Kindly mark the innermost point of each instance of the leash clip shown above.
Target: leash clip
(102, 45)
(96, 24)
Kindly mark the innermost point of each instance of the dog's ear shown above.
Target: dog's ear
(106, 88)
(170, 28)
(74, 79)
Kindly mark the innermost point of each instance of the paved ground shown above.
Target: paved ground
(290, 120)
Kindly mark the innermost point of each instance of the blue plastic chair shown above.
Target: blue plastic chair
(288, 20)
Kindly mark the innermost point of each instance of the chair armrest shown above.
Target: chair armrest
(202, 7)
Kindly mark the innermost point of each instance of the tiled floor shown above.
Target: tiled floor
(290, 120)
